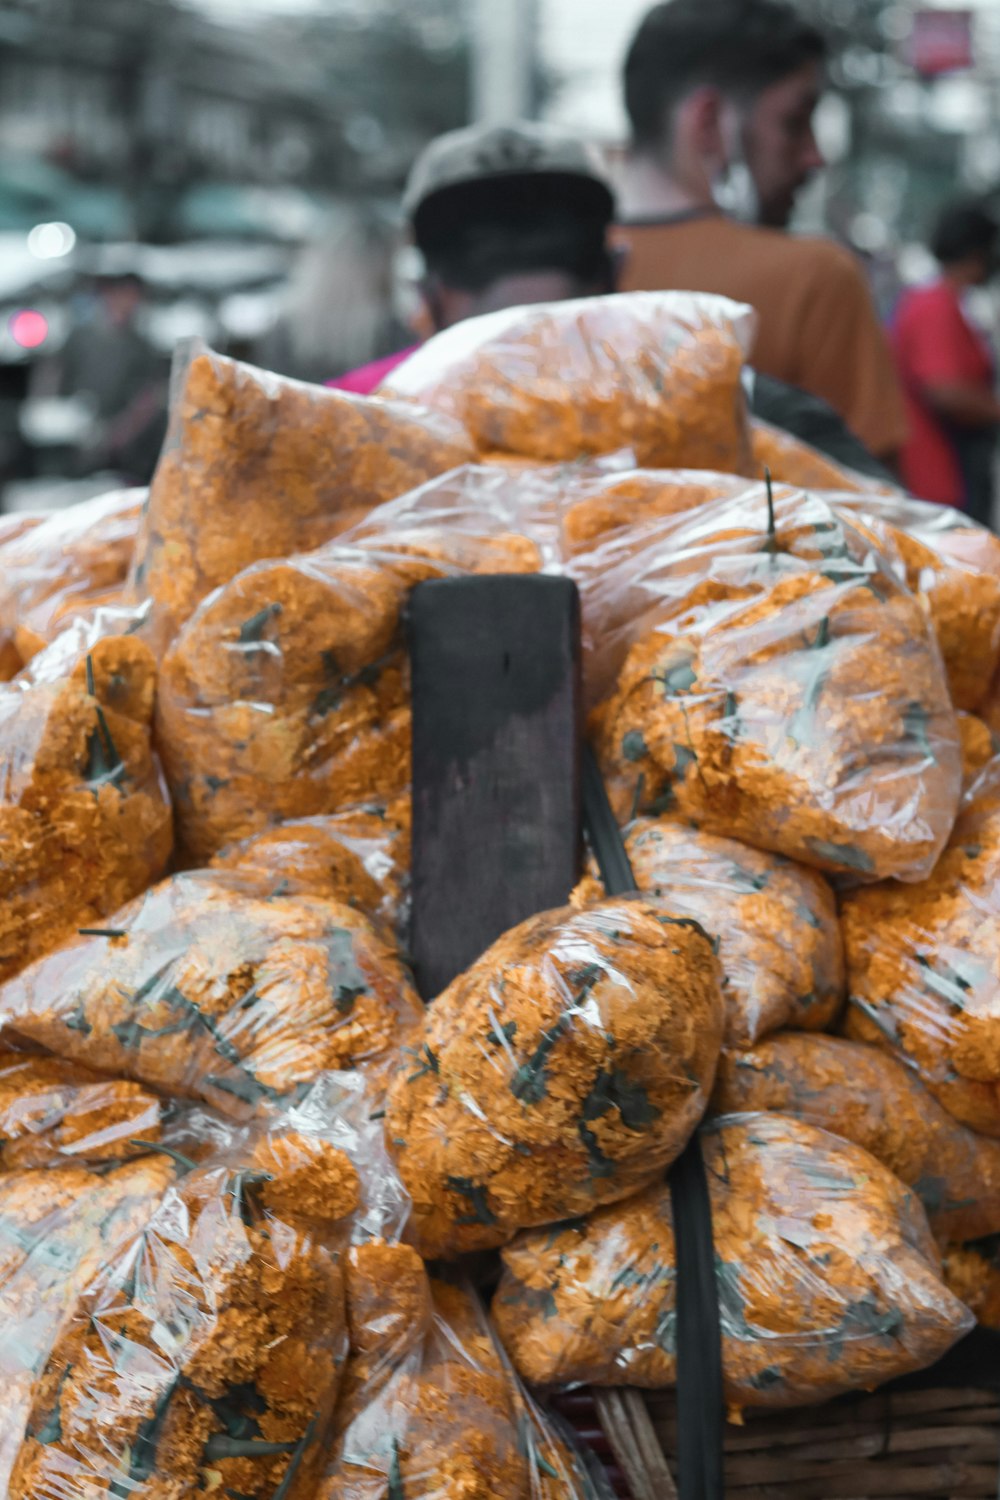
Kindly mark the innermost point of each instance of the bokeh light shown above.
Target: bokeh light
(29, 328)
(51, 241)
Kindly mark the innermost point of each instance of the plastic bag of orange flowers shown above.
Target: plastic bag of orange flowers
(657, 372)
(789, 460)
(286, 695)
(360, 857)
(922, 964)
(870, 1098)
(827, 1274)
(209, 987)
(595, 506)
(54, 1112)
(85, 822)
(257, 466)
(774, 923)
(567, 1067)
(57, 1228)
(953, 566)
(775, 683)
(206, 1354)
(69, 563)
(430, 1406)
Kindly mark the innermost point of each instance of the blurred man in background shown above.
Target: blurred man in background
(947, 369)
(720, 95)
(503, 216)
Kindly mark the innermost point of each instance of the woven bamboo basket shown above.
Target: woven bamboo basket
(893, 1445)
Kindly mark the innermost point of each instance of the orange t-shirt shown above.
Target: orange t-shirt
(818, 328)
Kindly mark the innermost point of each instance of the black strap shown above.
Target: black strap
(700, 1403)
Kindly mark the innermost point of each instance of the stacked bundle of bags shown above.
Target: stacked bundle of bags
(233, 1141)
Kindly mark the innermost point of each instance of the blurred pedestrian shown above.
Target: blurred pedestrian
(337, 310)
(947, 368)
(502, 216)
(109, 360)
(721, 95)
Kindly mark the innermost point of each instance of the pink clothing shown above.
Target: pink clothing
(365, 380)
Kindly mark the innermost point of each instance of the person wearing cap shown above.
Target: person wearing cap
(503, 216)
(720, 96)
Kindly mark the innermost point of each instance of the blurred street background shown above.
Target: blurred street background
(232, 168)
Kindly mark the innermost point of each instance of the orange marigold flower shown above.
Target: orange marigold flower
(775, 923)
(827, 1273)
(257, 466)
(866, 1096)
(566, 1067)
(657, 372)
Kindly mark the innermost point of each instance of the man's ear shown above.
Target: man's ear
(699, 122)
(441, 306)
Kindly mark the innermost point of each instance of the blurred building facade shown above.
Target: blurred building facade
(157, 96)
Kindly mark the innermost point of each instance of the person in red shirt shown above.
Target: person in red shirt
(947, 369)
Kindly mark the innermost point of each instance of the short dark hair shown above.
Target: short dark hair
(474, 233)
(738, 46)
(963, 228)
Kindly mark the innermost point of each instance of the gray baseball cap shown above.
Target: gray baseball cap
(542, 156)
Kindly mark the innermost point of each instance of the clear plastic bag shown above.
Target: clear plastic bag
(17, 523)
(440, 1413)
(828, 1277)
(286, 695)
(657, 372)
(774, 923)
(565, 1068)
(206, 988)
(72, 561)
(792, 461)
(779, 687)
(360, 857)
(57, 1229)
(257, 466)
(12, 527)
(980, 745)
(85, 636)
(923, 962)
(598, 506)
(868, 1097)
(207, 1354)
(54, 1112)
(85, 821)
(953, 567)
